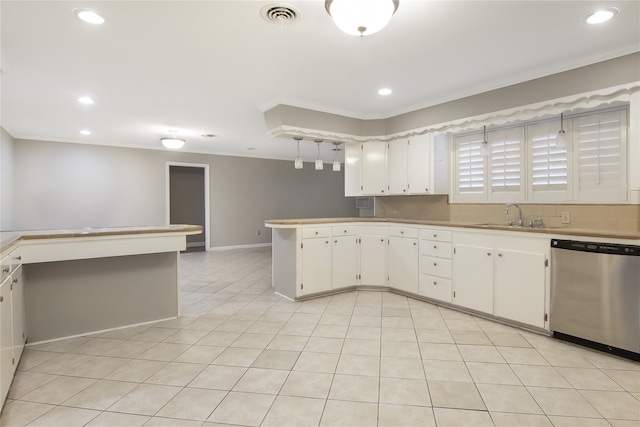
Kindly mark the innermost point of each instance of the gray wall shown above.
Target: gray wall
(6, 180)
(60, 185)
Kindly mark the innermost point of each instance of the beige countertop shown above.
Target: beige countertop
(598, 234)
(10, 238)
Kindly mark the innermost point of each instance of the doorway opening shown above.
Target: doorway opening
(188, 200)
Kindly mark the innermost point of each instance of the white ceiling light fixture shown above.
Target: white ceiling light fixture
(86, 100)
(361, 17)
(297, 163)
(89, 16)
(601, 16)
(172, 142)
(336, 162)
(319, 164)
(385, 91)
(484, 147)
(85, 132)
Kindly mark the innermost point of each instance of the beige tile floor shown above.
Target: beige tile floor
(241, 355)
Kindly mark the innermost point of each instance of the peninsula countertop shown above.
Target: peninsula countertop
(596, 234)
(11, 238)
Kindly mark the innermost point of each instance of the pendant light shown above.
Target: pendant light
(297, 163)
(562, 140)
(361, 17)
(336, 163)
(319, 164)
(484, 147)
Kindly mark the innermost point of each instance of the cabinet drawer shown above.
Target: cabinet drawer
(309, 233)
(403, 232)
(348, 230)
(435, 267)
(436, 249)
(435, 287)
(437, 235)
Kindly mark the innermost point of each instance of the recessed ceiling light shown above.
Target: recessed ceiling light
(85, 132)
(601, 16)
(89, 16)
(251, 148)
(85, 100)
(385, 91)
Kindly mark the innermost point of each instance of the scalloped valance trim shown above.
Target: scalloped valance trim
(587, 100)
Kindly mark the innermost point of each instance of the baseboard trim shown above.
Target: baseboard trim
(230, 248)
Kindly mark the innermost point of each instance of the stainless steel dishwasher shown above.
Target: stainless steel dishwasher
(595, 295)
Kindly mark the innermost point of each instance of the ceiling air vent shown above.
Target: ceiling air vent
(280, 14)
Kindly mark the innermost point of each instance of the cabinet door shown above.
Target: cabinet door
(374, 168)
(353, 170)
(403, 264)
(397, 166)
(419, 165)
(345, 261)
(373, 260)
(519, 286)
(316, 265)
(18, 319)
(6, 350)
(473, 277)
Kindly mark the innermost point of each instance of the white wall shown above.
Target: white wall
(60, 185)
(6, 181)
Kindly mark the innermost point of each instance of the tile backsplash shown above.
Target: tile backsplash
(437, 208)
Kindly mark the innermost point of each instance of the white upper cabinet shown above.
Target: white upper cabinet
(397, 166)
(374, 168)
(420, 165)
(353, 170)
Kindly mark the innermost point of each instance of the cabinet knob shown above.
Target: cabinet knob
(19, 258)
(382, 191)
(435, 235)
(345, 231)
(488, 253)
(14, 280)
(414, 243)
(435, 263)
(335, 241)
(316, 232)
(1, 298)
(404, 191)
(382, 240)
(500, 255)
(435, 247)
(435, 283)
(327, 242)
(401, 232)
(426, 190)
(5, 270)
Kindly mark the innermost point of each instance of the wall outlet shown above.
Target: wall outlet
(566, 219)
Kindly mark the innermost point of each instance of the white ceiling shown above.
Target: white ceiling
(215, 66)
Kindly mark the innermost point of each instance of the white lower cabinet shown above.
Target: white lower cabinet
(402, 258)
(6, 340)
(345, 261)
(503, 276)
(316, 266)
(373, 256)
(435, 265)
(473, 278)
(518, 286)
(18, 323)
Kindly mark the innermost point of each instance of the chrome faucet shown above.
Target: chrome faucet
(506, 212)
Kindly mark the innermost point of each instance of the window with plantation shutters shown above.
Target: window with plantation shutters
(548, 164)
(470, 168)
(599, 146)
(505, 164)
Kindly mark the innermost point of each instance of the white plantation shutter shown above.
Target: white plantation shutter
(600, 156)
(548, 164)
(505, 164)
(470, 168)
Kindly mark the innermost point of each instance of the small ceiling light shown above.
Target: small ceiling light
(562, 140)
(361, 17)
(319, 164)
(297, 163)
(85, 100)
(484, 147)
(385, 91)
(89, 16)
(601, 16)
(172, 142)
(85, 132)
(336, 162)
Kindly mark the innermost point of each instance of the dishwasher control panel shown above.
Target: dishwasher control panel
(601, 248)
